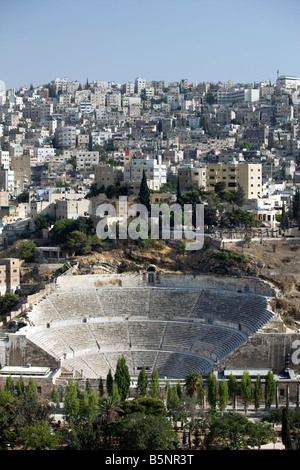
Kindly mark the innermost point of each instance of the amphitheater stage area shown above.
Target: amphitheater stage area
(173, 323)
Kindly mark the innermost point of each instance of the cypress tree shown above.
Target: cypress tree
(212, 390)
(286, 425)
(154, 389)
(122, 378)
(257, 392)
(9, 385)
(144, 193)
(109, 383)
(232, 389)
(100, 388)
(270, 389)
(246, 391)
(142, 383)
(296, 206)
(223, 395)
(178, 193)
(284, 224)
(54, 396)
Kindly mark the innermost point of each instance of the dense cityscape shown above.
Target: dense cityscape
(69, 375)
(65, 139)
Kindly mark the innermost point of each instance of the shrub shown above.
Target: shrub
(224, 255)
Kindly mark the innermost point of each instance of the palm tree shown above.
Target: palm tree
(193, 384)
(109, 408)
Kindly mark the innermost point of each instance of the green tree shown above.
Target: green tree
(54, 396)
(88, 407)
(7, 302)
(270, 389)
(20, 386)
(28, 409)
(245, 389)
(72, 403)
(243, 217)
(26, 250)
(178, 193)
(193, 383)
(38, 436)
(239, 196)
(144, 192)
(154, 389)
(284, 223)
(173, 400)
(212, 390)
(109, 383)
(245, 145)
(220, 186)
(232, 389)
(286, 428)
(296, 206)
(77, 242)
(223, 395)
(101, 387)
(147, 405)
(257, 393)
(9, 385)
(138, 431)
(42, 221)
(142, 383)
(210, 97)
(109, 408)
(122, 377)
(23, 197)
(85, 438)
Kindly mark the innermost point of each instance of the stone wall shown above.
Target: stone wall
(267, 350)
(44, 384)
(20, 351)
(250, 285)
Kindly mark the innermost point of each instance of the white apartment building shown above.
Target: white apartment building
(40, 154)
(113, 99)
(140, 84)
(230, 96)
(7, 180)
(129, 88)
(288, 82)
(4, 160)
(156, 172)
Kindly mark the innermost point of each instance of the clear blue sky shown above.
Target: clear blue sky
(220, 40)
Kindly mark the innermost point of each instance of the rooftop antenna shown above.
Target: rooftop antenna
(277, 73)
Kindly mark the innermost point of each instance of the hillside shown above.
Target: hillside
(278, 264)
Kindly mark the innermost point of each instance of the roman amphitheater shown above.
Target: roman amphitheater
(176, 324)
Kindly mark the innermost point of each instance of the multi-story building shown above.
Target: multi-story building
(191, 177)
(247, 175)
(72, 208)
(230, 96)
(140, 85)
(65, 137)
(85, 160)
(156, 172)
(287, 82)
(108, 175)
(7, 180)
(4, 160)
(9, 275)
